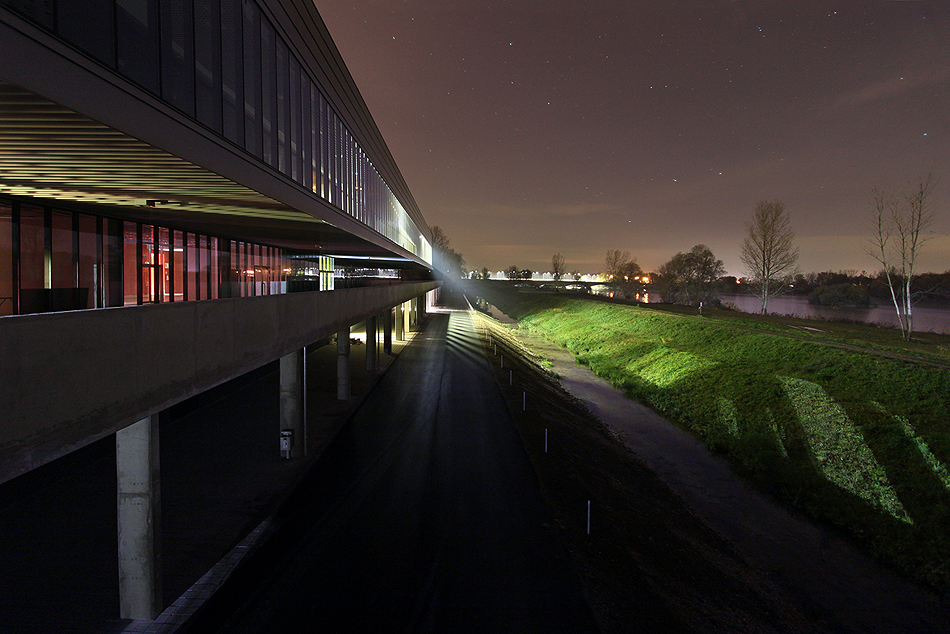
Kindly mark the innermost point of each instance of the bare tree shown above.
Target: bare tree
(623, 273)
(768, 252)
(615, 262)
(446, 259)
(557, 266)
(899, 226)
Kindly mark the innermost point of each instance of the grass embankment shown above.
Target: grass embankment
(856, 437)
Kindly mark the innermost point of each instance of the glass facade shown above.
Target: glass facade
(54, 260)
(223, 63)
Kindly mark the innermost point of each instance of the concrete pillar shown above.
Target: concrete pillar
(388, 331)
(293, 400)
(343, 364)
(406, 314)
(420, 310)
(372, 361)
(139, 520)
(400, 324)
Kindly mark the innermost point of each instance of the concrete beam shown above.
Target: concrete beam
(76, 377)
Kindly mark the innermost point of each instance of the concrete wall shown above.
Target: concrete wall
(68, 379)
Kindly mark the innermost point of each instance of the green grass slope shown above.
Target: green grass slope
(857, 437)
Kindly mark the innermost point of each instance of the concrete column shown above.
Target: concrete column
(420, 310)
(372, 361)
(388, 331)
(343, 365)
(406, 314)
(400, 335)
(139, 520)
(293, 400)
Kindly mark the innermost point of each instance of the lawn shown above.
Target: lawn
(843, 421)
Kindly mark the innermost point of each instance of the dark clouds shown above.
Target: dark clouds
(527, 127)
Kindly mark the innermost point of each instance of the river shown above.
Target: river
(927, 318)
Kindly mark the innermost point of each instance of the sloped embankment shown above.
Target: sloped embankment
(851, 437)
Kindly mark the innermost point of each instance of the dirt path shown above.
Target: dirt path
(814, 569)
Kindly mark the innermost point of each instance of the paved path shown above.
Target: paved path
(424, 514)
(818, 570)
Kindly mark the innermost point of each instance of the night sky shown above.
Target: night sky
(530, 127)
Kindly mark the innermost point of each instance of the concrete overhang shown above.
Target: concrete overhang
(83, 375)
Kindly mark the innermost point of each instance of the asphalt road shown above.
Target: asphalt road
(423, 515)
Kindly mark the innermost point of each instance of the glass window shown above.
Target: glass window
(130, 265)
(6, 258)
(283, 107)
(32, 250)
(192, 270)
(203, 267)
(178, 269)
(40, 11)
(213, 268)
(62, 273)
(113, 263)
(306, 137)
(315, 141)
(295, 123)
(252, 78)
(178, 55)
(149, 266)
(163, 264)
(232, 75)
(137, 41)
(89, 262)
(90, 26)
(208, 63)
(268, 92)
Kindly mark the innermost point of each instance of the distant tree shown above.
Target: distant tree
(690, 278)
(576, 275)
(446, 259)
(614, 263)
(557, 266)
(526, 274)
(439, 239)
(899, 232)
(486, 274)
(623, 273)
(768, 252)
(512, 273)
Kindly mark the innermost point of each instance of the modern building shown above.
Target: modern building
(189, 189)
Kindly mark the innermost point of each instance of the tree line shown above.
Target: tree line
(900, 227)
